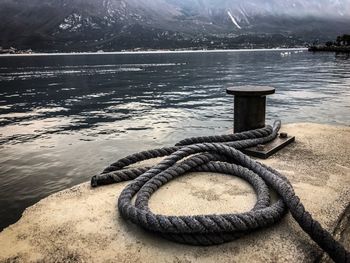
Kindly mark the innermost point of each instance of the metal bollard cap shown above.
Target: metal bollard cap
(250, 90)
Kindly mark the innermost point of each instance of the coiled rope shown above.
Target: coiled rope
(218, 154)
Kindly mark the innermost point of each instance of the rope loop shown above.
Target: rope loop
(215, 154)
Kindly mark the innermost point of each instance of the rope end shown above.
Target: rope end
(94, 181)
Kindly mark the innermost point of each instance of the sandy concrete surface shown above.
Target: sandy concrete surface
(82, 224)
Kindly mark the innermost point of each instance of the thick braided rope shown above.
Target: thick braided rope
(219, 154)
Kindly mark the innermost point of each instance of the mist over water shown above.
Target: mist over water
(64, 118)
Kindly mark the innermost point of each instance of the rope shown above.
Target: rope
(218, 154)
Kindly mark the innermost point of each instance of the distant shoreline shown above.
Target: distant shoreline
(344, 49)
(152, 52)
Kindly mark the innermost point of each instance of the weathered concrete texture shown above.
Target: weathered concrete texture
(82, 224)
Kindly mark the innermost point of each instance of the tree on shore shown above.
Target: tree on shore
(343, 40)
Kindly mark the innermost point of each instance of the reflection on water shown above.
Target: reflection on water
(64, 118)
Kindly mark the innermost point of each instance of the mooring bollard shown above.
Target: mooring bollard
(249, 106)
(249, 114)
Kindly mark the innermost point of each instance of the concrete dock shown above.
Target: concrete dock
(82, 224)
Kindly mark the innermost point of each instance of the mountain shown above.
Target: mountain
(91, 25)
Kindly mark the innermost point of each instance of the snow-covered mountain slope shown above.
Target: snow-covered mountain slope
(122, 24)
